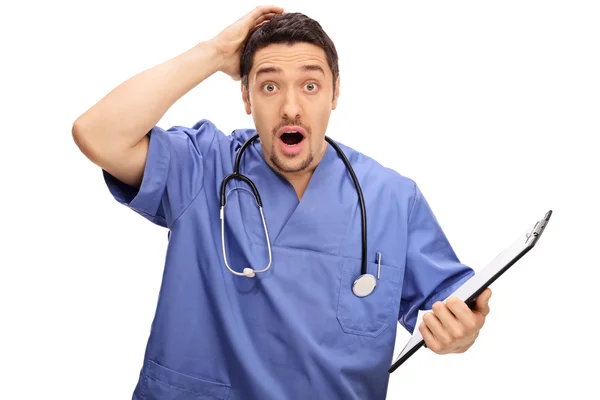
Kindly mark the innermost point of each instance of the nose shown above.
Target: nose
(291, 108)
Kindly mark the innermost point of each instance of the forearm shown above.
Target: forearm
(123, 117)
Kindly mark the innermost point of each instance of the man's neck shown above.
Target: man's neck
(300, 180)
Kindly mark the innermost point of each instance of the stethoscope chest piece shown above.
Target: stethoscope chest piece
(364, 285)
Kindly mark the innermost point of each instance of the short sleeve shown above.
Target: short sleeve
(173, 174)
(433, 271)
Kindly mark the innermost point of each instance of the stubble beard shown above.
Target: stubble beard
(281, 165)
(279, 162)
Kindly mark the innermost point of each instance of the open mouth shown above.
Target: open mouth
(292, 138)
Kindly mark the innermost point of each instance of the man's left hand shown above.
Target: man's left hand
(453, 327)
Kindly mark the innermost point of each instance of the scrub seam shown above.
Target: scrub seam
(318, 252)
(412, 207)
(200, 189)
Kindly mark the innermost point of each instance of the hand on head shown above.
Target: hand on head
(229, 42)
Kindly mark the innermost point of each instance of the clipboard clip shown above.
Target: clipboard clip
(534, 232)
(538, 227)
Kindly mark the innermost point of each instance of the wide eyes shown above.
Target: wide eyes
(310, 87)
(269, 87)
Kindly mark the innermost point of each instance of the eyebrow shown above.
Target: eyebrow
(277, 70)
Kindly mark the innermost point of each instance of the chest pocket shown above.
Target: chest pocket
(370, 315)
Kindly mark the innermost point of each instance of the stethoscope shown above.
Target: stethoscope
(362, 286)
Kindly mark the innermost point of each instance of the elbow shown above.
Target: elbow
(77, 132)
(83, 137)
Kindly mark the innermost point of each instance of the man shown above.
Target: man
(297, 330)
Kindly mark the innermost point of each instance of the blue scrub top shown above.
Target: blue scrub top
(296, 331)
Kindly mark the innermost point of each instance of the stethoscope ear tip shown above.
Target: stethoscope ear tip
(249, 272)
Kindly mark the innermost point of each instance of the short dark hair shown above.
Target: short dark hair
(288, 28)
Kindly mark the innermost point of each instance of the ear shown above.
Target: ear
(246, 99)
(336, 94)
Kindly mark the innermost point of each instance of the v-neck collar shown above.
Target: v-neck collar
(319, 221)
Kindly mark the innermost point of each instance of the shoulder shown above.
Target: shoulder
(205, 135)
(377, 178)
(199, 136)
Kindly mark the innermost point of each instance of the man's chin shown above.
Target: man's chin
(291, 164)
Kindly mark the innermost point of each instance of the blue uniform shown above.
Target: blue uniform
(296, 331)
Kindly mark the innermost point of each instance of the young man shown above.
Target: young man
(301, 328)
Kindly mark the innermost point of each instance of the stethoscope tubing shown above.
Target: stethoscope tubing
(236, 175)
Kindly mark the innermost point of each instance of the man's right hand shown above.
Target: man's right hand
(229, 41)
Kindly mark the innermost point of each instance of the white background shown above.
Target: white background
(492, 107)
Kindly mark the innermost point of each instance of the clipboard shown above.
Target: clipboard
(473, 287)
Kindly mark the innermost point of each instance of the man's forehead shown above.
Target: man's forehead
(298, 57)
(272, 69)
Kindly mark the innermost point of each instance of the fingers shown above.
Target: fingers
(261, 15)
(443, 324)
(459, 308)
(467, 320)
(482, 302)
(432, 343)
(264, 18)
(452, 321)
(453, 326)
(262, 10)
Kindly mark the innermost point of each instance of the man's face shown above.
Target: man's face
(291, 98)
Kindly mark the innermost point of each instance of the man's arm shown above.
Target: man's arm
(433, 273)
(113, 133)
